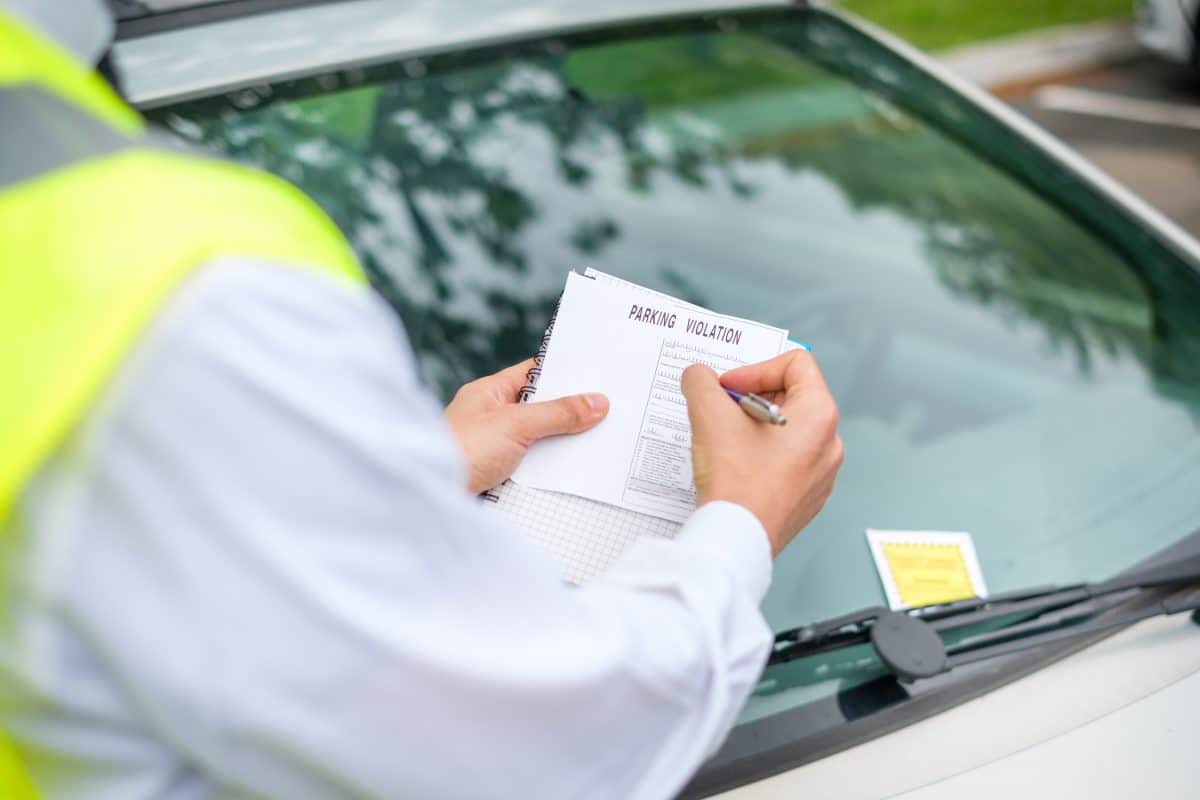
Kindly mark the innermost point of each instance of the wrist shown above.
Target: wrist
(471, 474)
(760, 508)
(731, 535)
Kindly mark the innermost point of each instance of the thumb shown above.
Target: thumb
(706, 398)
(574, 414)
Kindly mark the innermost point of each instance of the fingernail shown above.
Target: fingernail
(598, 403)
(802, 345)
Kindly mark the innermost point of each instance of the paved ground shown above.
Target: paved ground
(1139, 121)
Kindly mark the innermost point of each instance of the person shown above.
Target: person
(240, 553)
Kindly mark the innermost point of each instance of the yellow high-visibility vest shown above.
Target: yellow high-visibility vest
(97, 228)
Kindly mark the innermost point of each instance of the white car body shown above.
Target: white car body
(1169, 28)
(1115, 720)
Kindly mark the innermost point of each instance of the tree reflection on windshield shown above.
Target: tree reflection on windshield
(439, 180)
(397, 167)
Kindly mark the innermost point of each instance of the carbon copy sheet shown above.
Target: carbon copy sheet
(633, 345)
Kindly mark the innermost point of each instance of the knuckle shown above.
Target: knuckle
(813, 374)
(803, 361)
(471, 388)
(580, 411)
(802, 373)
(574, 411)
(838, 452)
(827, 417)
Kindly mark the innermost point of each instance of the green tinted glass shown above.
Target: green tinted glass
(1012, 357)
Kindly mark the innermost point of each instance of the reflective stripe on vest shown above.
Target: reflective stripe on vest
(96, 231)
(42, 132)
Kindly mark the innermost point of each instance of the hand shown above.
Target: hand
(783, 474)
(494, 430)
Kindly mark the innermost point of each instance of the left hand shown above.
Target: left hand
(494, 430)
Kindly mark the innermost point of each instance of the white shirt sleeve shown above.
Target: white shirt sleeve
(270, 554)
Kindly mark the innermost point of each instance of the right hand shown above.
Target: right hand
(782, 474)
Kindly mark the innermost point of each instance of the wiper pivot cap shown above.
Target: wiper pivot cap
(908, 647)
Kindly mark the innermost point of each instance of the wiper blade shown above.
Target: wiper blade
(910, 646)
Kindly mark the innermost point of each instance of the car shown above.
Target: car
(1171, 28)
(1013, 338)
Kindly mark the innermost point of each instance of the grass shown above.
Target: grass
(940, 24)
(664, 72)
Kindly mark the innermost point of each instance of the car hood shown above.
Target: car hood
(1106, 722)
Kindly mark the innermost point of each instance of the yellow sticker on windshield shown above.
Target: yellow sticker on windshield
(921, 568)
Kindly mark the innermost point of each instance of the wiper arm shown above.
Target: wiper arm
(910, 646)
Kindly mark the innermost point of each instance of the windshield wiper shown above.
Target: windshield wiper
(910, 646)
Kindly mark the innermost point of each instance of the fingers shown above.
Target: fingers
(789, 373)
(500, 387)
(771, 375)
(514, 377)
(706, 398)
(573, 414)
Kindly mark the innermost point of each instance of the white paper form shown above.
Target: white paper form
(604, 277)
(633, 346)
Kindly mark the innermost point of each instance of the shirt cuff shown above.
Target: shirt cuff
(731, 535)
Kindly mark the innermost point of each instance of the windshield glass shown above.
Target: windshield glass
(1009, 361)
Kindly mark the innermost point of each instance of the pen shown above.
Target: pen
(759, 408)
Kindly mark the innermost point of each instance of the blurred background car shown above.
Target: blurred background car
(1012, 336)
(1171, 28)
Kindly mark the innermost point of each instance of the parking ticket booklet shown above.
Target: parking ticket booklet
(585, 499)
(615, 339)
(922, 568)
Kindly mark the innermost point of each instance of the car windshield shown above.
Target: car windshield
(1012, 357)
